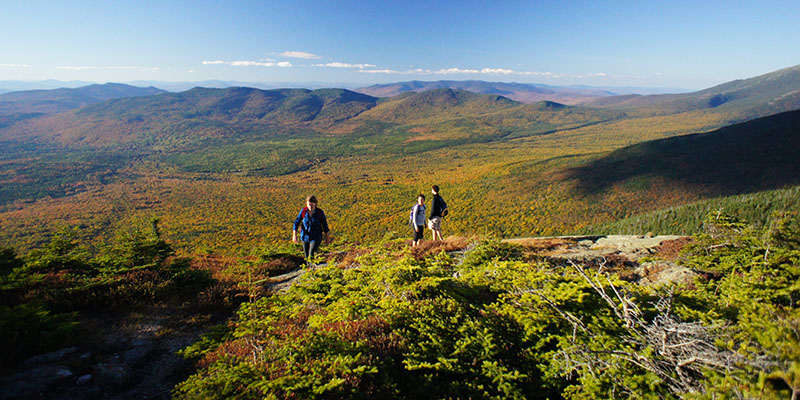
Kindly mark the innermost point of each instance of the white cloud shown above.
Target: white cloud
(497, 71)
(417, 71)
(251, 64)
(14, 65)
(380, 71)
(344, 65)
(300, 54)
(77, 67)
(454, 71)
(282, 64)
(542, 74)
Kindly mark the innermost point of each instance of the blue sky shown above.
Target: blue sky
(692, 44)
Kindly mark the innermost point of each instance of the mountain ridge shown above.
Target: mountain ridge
(54, 101)
(521, 92)
(221, 113)
(218, 111)
(769, 93)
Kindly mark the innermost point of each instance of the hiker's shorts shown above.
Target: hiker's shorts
(435, 223)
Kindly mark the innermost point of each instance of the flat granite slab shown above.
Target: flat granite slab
(632, 247)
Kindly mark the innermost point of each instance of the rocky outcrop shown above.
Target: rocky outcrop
(133, 362)
(635, 258)
(31, 382)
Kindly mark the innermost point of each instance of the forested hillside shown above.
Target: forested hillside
(194, 115)
(22, 105)
(763, 95)
(257, 133)
(55, 101)
(748, 157)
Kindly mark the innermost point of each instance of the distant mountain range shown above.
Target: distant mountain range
(111, 113)
(223, 84)
(766, 94)
(39, 102)
(196, 112)
(522, 92)
(14, 86)
(225, 113)
(180, 86)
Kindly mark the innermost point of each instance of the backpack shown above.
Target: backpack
(302, 216)
(411, 220)
(444, 209)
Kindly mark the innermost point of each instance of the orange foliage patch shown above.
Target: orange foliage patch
(430, 247)
(670, 249)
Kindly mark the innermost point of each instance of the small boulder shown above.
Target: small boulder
(52, 357)
(83, 380)
(664, 272)
(137, 354)
(111, 373)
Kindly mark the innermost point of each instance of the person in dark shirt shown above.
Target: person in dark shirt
(437, 208)
(313, 227)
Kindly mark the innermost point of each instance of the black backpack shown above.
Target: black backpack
(444, 209)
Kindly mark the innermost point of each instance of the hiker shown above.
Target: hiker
(418, 220)
(438, 210)
(313, 227)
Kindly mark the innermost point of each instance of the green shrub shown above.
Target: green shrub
(388, 329)
(496, 326)
(9, 260)
(30, 329)
(63, 252)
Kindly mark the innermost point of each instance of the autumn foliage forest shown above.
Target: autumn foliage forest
(222, 180)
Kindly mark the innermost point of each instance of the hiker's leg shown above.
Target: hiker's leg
(435, 225)
(419, 234)
(313, 247)
(306, 248)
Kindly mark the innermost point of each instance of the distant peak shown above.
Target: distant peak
(550, 104)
